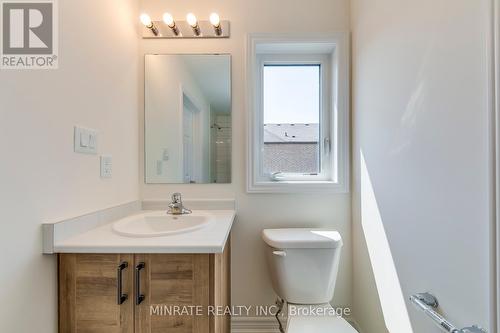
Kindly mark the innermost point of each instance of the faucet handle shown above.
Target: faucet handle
(176, 197)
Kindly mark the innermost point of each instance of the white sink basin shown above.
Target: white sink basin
(159, 223)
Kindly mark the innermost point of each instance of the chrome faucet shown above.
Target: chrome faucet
(176, 207)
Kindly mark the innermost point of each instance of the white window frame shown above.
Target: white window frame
(332, 53)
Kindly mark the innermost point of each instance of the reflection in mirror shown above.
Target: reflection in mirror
(187, 118)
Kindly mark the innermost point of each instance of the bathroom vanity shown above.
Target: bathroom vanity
(135, 292)
(114, 281)
(135, 268)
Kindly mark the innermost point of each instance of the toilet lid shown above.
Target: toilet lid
(302, 238)
(319, 325)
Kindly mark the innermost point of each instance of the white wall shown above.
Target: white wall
(420, 104)
(251, 284)
(41, 179)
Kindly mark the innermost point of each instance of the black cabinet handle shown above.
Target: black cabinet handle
(121, 297)
(138, 296)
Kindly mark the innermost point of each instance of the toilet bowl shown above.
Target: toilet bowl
(304, 263)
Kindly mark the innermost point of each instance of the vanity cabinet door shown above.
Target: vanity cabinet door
(173, 281)
(89, 293)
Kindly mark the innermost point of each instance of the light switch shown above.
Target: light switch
(92, 140)
(85, 140)
(106, 166)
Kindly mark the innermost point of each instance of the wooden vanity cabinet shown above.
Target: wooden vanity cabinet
(89, 292)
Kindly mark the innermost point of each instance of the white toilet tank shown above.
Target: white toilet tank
(303, 263)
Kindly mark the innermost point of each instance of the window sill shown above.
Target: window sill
(297, 187)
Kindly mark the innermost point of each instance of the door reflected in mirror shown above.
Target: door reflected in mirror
(187, 118)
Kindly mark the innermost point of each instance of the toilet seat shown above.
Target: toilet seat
(318, 324)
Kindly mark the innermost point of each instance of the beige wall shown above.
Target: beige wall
(41, 179)
(251, 284)
(421, 151)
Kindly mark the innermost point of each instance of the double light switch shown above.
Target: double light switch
(85, 140)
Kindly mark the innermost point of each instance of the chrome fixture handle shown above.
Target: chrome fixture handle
(176, 207)
(427, 303)
(279, 253)
(428, 299)
(177, 198)
(472, 329)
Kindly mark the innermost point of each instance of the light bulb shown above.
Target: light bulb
(215, 20)
(146, 20)
(169, 20)
(191, 20)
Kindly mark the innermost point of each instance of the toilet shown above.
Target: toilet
(303, 264)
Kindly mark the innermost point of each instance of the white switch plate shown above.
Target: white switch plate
(106, 166)
(85, 140)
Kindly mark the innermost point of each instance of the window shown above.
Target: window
(292, 95)
(298, 126)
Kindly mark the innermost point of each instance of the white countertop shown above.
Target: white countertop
(102, 239)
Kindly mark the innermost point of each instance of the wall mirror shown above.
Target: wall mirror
(187, 118)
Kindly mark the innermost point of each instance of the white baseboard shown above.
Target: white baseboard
(254, 325)
(263, 325)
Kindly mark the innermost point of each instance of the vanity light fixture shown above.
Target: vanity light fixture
(193, 22)
(169, 20)
(215, 21)
(169, 28)
(146, 20)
